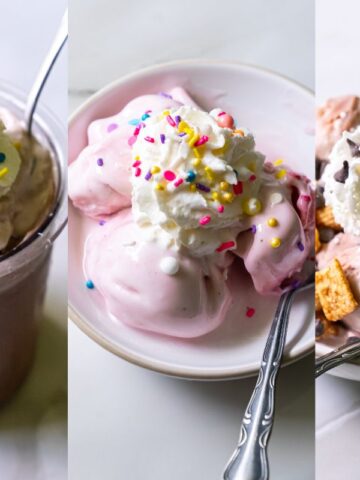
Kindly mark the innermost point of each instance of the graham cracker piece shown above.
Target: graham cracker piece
(325, 218)
(334, 291)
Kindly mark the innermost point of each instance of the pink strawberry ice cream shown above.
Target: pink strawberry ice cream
(179, 193)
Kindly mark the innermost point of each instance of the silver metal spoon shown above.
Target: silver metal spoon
(45, 69)
(345, 353)
(250, 459)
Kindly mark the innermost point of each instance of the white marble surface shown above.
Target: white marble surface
(33, 427)
(125, 422)
(337, 400)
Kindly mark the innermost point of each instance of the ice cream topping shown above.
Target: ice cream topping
(177, 194)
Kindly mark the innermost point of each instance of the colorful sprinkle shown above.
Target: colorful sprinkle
(252, 206)
(100, 162)
(136, 163)
(202, 140)
(159, 186)
(3, 171)
(90, 284)
(137, 172)
(170, 121)
(272, 222)
(275, 242)
(196, 162)
(145, 116)
(278, 162)
(162, 138)
(132, 140)
(225, 246)
(238, 188)
(177, 119)
(253, 229)
(300, 246)
(155, 169)
(280, 174)
(112, 126)
(221, 208)
(209, 173)
(306, 198)
(137, 131)
(169, 175)
(224, 186)
(102, 223)
(228, 197)
(182, 134)
(166, 95)
(221, 113)
(178, 182)
(192, 188)
(202, 187)
(191, 175)
(205, 220)
(252, 178)
(215, 195)
(134, 121)
(148, 175)
(150, 139)
(2, 157)
(196, 153)
(250, 312)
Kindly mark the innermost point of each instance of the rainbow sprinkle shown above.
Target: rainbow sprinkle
(225, 246)
(3, 171)
(90, 284)
(169, 175)
(202, 140)
(162, 138)
(205, 220)
(150, 139)
(100, 162)
(250, 312)
(170, 120)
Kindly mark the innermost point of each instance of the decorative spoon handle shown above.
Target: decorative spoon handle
(46, 67)
(343, 354)
(250, 459)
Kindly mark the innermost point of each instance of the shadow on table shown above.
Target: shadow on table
(45, 389)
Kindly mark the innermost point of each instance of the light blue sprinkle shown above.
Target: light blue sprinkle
(134, 121)
(90, 284)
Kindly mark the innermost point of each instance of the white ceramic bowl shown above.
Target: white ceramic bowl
(280, 113)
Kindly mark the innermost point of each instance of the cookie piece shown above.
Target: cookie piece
(325, 218)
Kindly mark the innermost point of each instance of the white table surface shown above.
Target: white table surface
(337, 400)
(33, 427)
(126, 422)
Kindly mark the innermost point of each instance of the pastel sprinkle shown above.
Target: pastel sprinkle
(250, 312)
(90, 284)
(134, 121)
(272, 222)
(112, 126)
(238, 188)
(136, 163)
(275, 242)
(3, 171)
(100, 162)
(201, 141)
(220, 208)
(137, 172)
(300, 246)
(177, 119)
(280, 174)
(162, 138)
(170, 121)
(2, 157)
(205, 220)
(191, 175)
(132, 140)
(225, 246)
(155, 169)
(150, 139)
(178, 182)
(278, 162)
(148, 175)
(145, 116)
(202, 187)
(169, 175)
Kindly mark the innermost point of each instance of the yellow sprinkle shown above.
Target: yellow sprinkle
(196, 152)
(252, 206)
(155, 169)
(193, 139)
(280, 174)
(278, 162)
(196, 162)
(272, 222)
(239, 132)
(193, 187)
(228, 197)
(275, 242)
(252, 167)
(166, 113)
(215, 195)
(159, 186)
(184, 127)
(137, 158)
(3, 171)
(224, 186)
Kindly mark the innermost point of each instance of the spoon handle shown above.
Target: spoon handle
(338, 356)
(250, 459)
(45, 69)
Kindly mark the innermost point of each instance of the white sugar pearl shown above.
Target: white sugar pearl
(169, 265)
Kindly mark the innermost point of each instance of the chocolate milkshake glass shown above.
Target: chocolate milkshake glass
(24, 269)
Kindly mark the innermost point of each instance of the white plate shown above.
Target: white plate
(281, 115)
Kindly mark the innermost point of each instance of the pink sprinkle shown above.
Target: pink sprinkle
(171, 121)
(225, 246)
(238, 188)
(306, 198)
(148, 111)
(169, 175)
(150, 139)
(201, 141)
(137, 131)
(220, 208)
(137, 172)
(205, 220)
(250, 312)
(112, 126)
(178, 182)
(252, 178)
(136, 164)
(221, 113)
(132, 140)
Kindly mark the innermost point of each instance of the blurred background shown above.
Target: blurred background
(126, 422)
(33, 426)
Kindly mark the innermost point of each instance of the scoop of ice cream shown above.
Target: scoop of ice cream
(195, 179)
(342, 182)
(27, 186)
(148, 287)
(281, 238)
(332, 119)
(99, 179)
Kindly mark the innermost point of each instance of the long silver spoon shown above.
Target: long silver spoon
(45, 69)
(250, 459)
(345, 353)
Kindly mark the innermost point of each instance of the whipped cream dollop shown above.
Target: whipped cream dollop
(194, 181)
(342, 182)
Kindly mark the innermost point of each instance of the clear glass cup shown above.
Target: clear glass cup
(24, 270)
